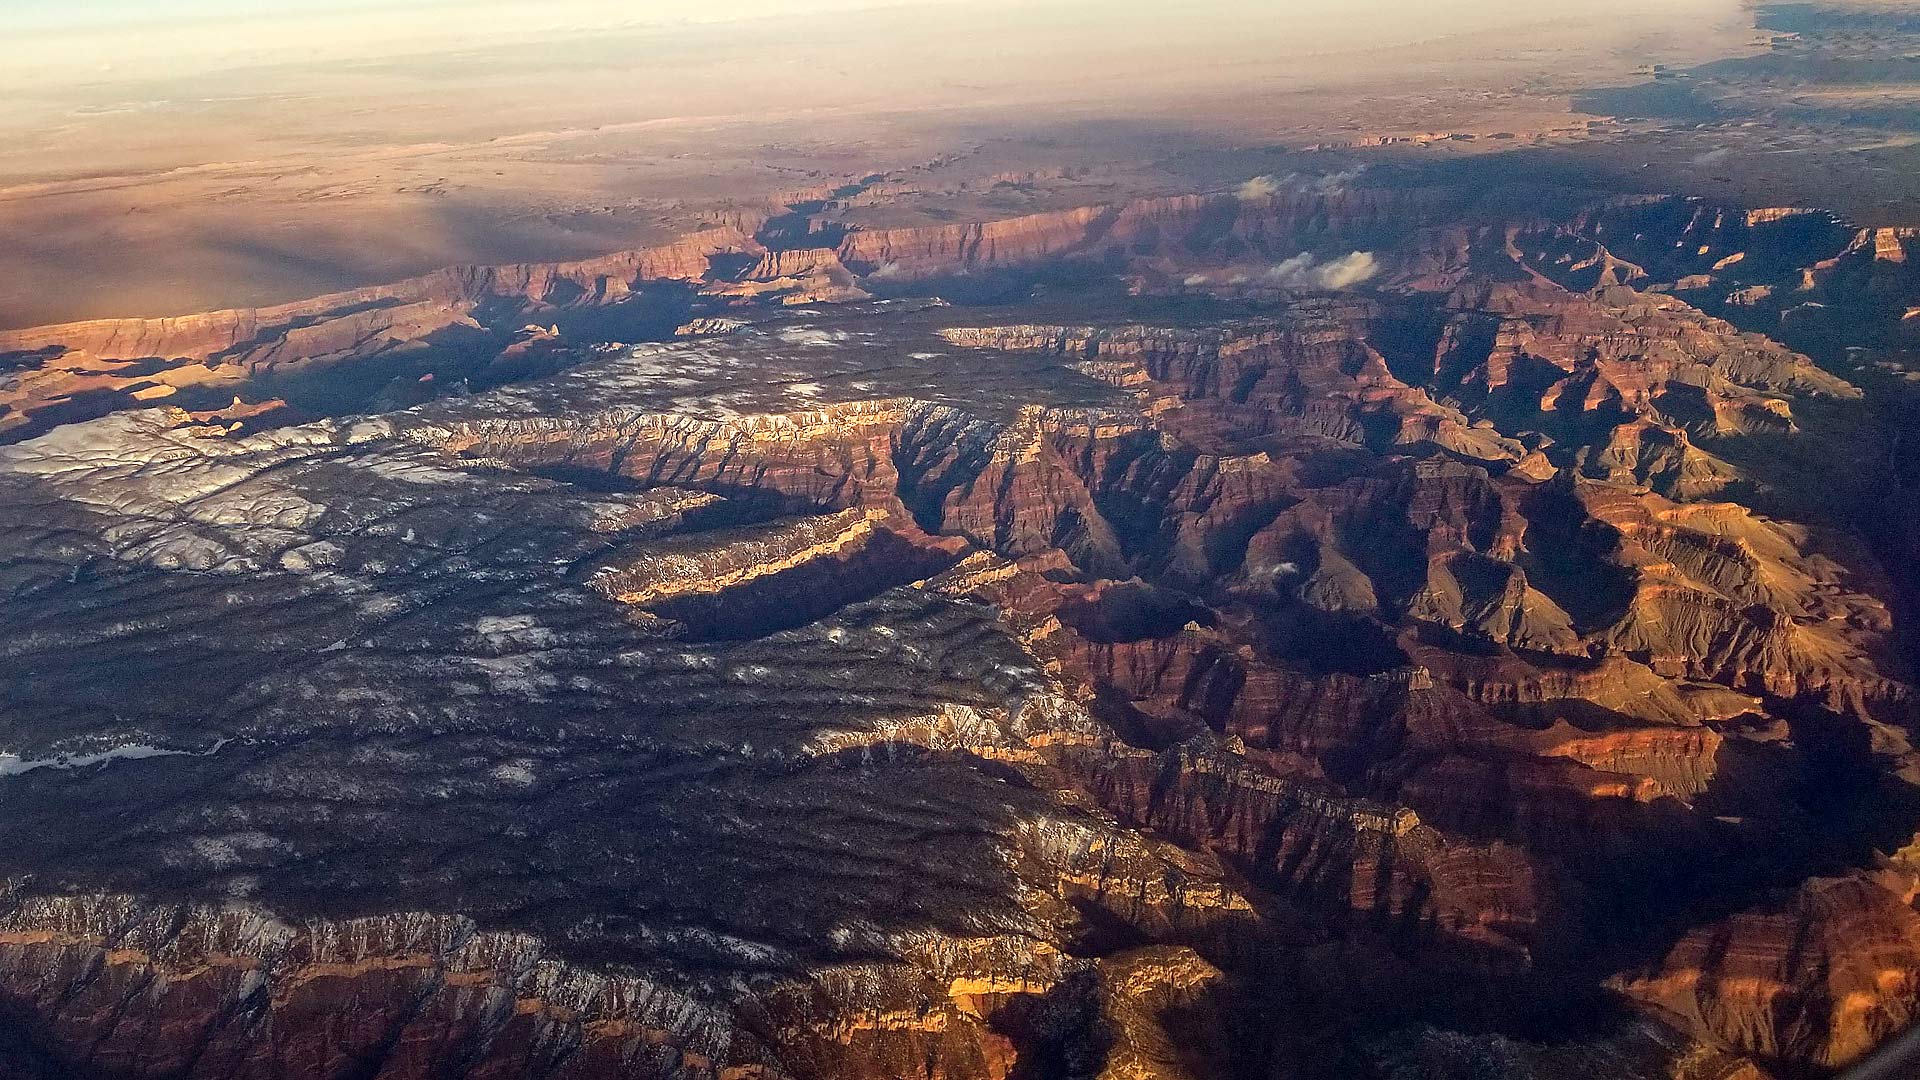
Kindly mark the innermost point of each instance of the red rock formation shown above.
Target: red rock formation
(242, 331)
(1628, 355)
(796, 276)
(952, 248)
(241, 334)
(94, 367)
(1161, 235)
(1822, 975)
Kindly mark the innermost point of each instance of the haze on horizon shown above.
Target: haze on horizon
(241, 157)
(107, 42)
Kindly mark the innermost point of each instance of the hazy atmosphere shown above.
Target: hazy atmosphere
(238, 157)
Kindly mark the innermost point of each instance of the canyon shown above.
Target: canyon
(1327, 625)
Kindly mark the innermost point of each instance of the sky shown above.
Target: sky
(66, 42)
(59, 43)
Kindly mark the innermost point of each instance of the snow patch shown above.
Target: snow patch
(15, 765)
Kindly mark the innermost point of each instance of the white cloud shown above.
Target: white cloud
(1304, 271)
(1269, 576)
(1294, 272)
(1349, 270)
(1266, 187)
(1260, 187)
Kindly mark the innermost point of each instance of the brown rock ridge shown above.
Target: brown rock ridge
(242, 333)
(85, 368)
(1628, 355)
(1160, 236)
(1312, 374)
(1822, 975)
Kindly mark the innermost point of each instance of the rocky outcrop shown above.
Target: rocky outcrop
(1823, 975)
(796, 276)
(1625, 355)
(1161, 237)
(1312, 374)
(239, 992)
(1734, 599)
(82, 369)
(946, 249)
(1654, 455)
(243, 334)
